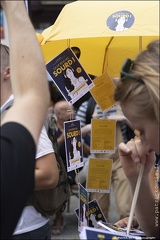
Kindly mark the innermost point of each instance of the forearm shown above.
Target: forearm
(145, 208)
(60, 139)
(86, 130)
(46, 172)
(45, 181)
(28, 74)
(25, 51)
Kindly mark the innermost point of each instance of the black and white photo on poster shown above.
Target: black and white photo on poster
(73, 145)
(69, 76)
(83, 207)
(95, 214)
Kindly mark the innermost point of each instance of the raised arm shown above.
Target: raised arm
(28, 75)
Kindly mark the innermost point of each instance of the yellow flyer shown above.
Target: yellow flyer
(103, 92)
(103, 134)
(99, 175)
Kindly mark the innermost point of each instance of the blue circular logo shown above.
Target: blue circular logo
(120, 21)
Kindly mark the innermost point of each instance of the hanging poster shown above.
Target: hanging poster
(95, 214)
(103, 136)
(99, 169)
(73, 145)
(69, 76)
(83, 207)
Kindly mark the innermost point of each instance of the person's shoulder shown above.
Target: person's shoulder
(15, 135)
(15, 130)
(44, 143)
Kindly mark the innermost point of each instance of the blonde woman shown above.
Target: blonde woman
(138, 94)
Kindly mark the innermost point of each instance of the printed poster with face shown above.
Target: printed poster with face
(73, 145)
(95, 214)
(83, 207)
(69, 76)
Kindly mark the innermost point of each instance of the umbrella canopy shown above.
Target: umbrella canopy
(106, 32)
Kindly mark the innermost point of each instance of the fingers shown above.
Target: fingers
(117, 117)
(138, 153)
(122, 223)
(124, 150)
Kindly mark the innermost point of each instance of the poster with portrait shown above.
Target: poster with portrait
(95, 214)
(69, 76)
(73, 145)
(83, 208)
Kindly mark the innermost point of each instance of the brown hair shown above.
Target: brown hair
(4, 50)
(144, 95)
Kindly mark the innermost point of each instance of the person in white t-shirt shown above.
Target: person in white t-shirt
(32, 225)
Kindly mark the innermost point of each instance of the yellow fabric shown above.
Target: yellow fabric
(83, 24)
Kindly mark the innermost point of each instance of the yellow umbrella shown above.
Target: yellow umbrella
(106, 32)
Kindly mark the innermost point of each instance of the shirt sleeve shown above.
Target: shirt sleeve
(17, 174)
(44, 144)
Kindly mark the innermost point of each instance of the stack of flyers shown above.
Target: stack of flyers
(115, 229)
(89, 233)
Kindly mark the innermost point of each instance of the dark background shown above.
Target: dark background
(44, 13)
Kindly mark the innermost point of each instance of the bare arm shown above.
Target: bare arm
(28, 75)
(46, 172)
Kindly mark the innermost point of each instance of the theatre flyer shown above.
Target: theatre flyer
(103, 92)
(103, 136)
(95, 214)
(69, 76)
(99, 169)
(73, 145)
(83, 207)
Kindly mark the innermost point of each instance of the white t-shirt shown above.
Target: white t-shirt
(8, 103)
(31, 219)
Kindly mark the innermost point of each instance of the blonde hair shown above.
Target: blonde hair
(144, 95)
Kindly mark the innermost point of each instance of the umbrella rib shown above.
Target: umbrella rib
(105, 53)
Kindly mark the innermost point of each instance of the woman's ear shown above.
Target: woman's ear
(7, 73)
